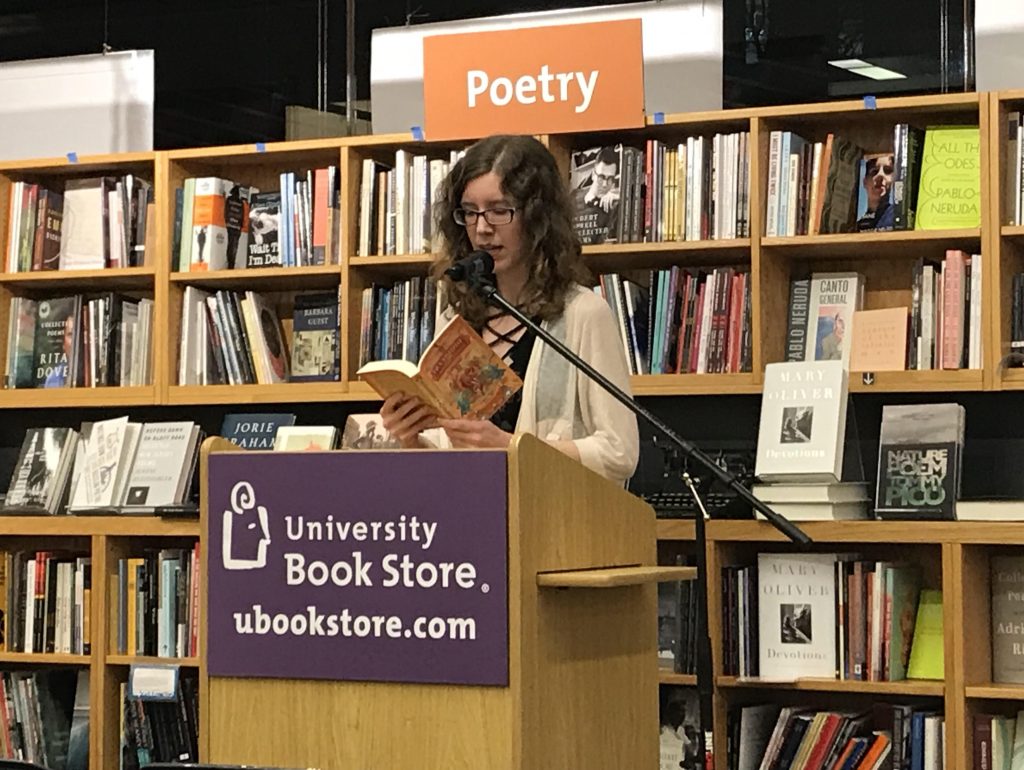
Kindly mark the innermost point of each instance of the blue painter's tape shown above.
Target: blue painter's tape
(417, 133)
(261, 147)
(870, 103)
(72, 157)
(659, 118)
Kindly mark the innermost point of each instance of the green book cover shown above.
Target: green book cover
(902, 588)
(950, 186)
(926, 652)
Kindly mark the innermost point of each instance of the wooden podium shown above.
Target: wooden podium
(582, 653)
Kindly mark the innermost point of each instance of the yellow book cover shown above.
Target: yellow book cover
(926, 651)
(950, 187)
(458, 375)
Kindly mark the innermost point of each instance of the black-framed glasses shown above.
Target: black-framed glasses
(493, 217)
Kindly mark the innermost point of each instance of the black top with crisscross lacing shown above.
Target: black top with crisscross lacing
(517, 357)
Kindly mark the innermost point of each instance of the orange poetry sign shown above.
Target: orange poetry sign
(535, 80)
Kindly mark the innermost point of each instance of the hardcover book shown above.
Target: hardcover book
(594, 178)
(54, 340)
(796, 615)
(803, 422)
(42, 469)
(1007, 581)
(458, 376)
(919, 460)
(315, 345)
(950, 189)
(367, 431)
(254, 431)
(834, 298)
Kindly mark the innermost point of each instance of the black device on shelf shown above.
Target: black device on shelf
(658, 479)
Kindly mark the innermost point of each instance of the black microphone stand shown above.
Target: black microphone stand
(482, 281)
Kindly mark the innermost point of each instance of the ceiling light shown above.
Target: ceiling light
(867, 69)
(849, 64)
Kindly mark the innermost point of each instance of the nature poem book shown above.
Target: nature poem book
(458, 375)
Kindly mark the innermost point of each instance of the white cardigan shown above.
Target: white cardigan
(560, 403)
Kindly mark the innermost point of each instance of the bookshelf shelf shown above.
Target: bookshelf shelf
(676, 529)
(149, 660)
(847, 531)
(609, 257)
(264, 278)
(1012, 231)
(693, 384)
(286, 392)
(925, 381)
(88, 526)
(43, 398)
(42, 659)
(995, 691)
(897, 244)
(1012, 379)
(906, 687)
(686, 680)
(69, 281)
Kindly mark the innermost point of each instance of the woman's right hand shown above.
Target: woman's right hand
(405, 417)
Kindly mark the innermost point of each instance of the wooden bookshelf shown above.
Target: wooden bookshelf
(149, 660)
(906, 687)
(70, 281)
(684, 680)
(264, 278)
(957, 552)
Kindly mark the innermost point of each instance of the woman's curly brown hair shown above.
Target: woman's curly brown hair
(531, 180)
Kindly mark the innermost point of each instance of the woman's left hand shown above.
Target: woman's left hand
(475, 434)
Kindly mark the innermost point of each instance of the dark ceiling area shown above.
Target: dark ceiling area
(226, 69)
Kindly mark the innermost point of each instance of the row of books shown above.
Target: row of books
(47, 597)
(683, 321)
(941, 329)
(830, 616)
(1013, 180)
(677, 629)
(111, 463)
(79, 342)
(765, 737)
(220, 224)
(923, 180)
(695, 189)
(396, 203)
(237, 338)
(44, 717)
(997, 741)
(160, 731)
(158, 604)
(398, 321)
(86, 224)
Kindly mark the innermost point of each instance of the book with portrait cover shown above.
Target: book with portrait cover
(796, 615)
(594, 178)
(833, 299)
(919, 457)
(254, 430)
(803, 422)
(458, 375)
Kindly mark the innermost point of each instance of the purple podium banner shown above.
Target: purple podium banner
(365, 566)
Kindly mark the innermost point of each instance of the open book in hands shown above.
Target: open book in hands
(458, 375)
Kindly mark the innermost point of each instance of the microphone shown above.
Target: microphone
(478, 264)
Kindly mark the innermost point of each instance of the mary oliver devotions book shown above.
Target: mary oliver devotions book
(458, 375)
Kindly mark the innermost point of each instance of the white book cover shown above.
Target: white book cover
(101, 456)
(834, 297)
(803, 422)
(305, 438)
(796, 615)
(162, 459)
(84, 229)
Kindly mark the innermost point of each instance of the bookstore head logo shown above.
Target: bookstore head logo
(246, 531)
